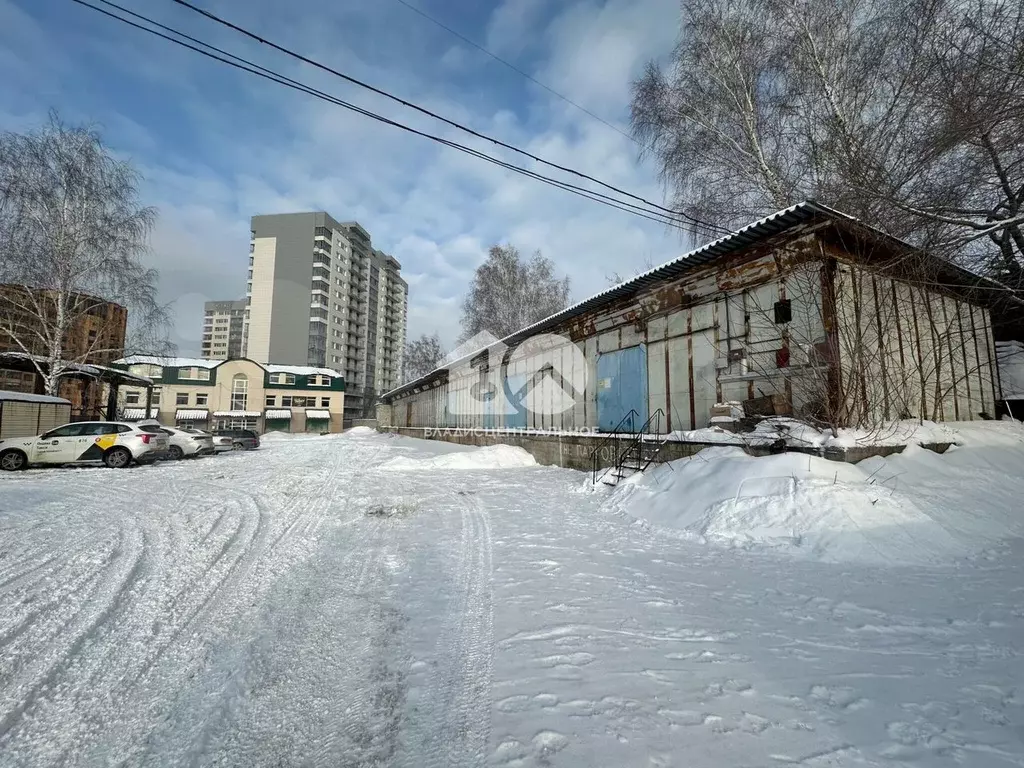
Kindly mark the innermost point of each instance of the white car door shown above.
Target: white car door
(58, 445)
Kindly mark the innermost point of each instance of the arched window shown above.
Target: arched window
(239, 392)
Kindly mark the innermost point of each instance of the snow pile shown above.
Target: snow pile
(27, 397)
(809, 506)
(488, 457)
(361, 432)
(1010, 355)
(797, 434)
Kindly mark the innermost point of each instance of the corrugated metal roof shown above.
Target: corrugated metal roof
(751, 234)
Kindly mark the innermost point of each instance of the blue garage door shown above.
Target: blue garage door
(622, 386)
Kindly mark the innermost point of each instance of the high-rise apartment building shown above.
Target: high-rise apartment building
(222, 329)
(319, 294)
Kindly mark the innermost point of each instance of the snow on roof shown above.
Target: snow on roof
(200, 362)
(1010, 355)
(170, 362)
(88, 369)
(635, 281)
(28, 397)
(318, 415)
(278, 413)
(302, 370)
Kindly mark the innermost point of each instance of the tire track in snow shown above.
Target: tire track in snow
(22, 693)
(460, 688)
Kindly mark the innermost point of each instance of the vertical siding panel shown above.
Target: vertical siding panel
(950, 385)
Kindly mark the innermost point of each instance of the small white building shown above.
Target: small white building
(26, 415)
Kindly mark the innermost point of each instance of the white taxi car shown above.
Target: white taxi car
(113, 443)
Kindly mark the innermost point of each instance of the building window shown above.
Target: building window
(299, 402)
(271, 401)
(201, 398)
(239, 392)
(131, 398)
(181, 398)
(282, 378)
(156, 396)
(319, 381)
(152, 371)
(325, 402)
(286, 401)
(195, 373)
(251, 260)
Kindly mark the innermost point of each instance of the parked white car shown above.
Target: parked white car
(113, 443)
(223, 443)
(187, 441)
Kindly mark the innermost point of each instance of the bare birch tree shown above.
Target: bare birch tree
(509, 292)
(72, 237)
(908, 115)
(422, 356)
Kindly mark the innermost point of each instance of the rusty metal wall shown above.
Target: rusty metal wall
(911, 351)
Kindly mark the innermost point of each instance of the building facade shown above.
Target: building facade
(319, 295)
(239, 393)
(807, 312)
(95, 336)
(222, 329)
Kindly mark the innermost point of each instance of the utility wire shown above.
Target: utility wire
(513, 67)
(692, 221)
(255, 69)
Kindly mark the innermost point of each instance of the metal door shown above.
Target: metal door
(622, 386)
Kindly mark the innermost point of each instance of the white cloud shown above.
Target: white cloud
(256, 148)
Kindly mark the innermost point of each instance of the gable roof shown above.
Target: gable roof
(805, 213)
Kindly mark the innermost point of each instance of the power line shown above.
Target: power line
(513, 67)
(692, 221)
(255, 69)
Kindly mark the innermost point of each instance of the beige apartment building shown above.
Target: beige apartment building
(234, 394)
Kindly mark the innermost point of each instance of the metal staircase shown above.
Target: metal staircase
(642, 449)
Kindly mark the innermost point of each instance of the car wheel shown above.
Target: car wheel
(237, 447)
(117, 458)
(176, 452)
(12, 461)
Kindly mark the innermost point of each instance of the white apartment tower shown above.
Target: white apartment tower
(223, 322)
(318, 294)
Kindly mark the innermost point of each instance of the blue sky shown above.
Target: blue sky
(216, 146)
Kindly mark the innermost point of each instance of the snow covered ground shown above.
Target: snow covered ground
(318, 603)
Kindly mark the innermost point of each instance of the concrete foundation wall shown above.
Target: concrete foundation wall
(576, 451)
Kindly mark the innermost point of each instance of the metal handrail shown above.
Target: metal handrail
(596, 453)
(638, 442)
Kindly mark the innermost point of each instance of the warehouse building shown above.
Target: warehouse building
(807, 312)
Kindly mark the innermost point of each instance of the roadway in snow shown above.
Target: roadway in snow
(310, 604)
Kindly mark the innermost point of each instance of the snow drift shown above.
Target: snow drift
(488, 457)
(361, 432)
(802, 504)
